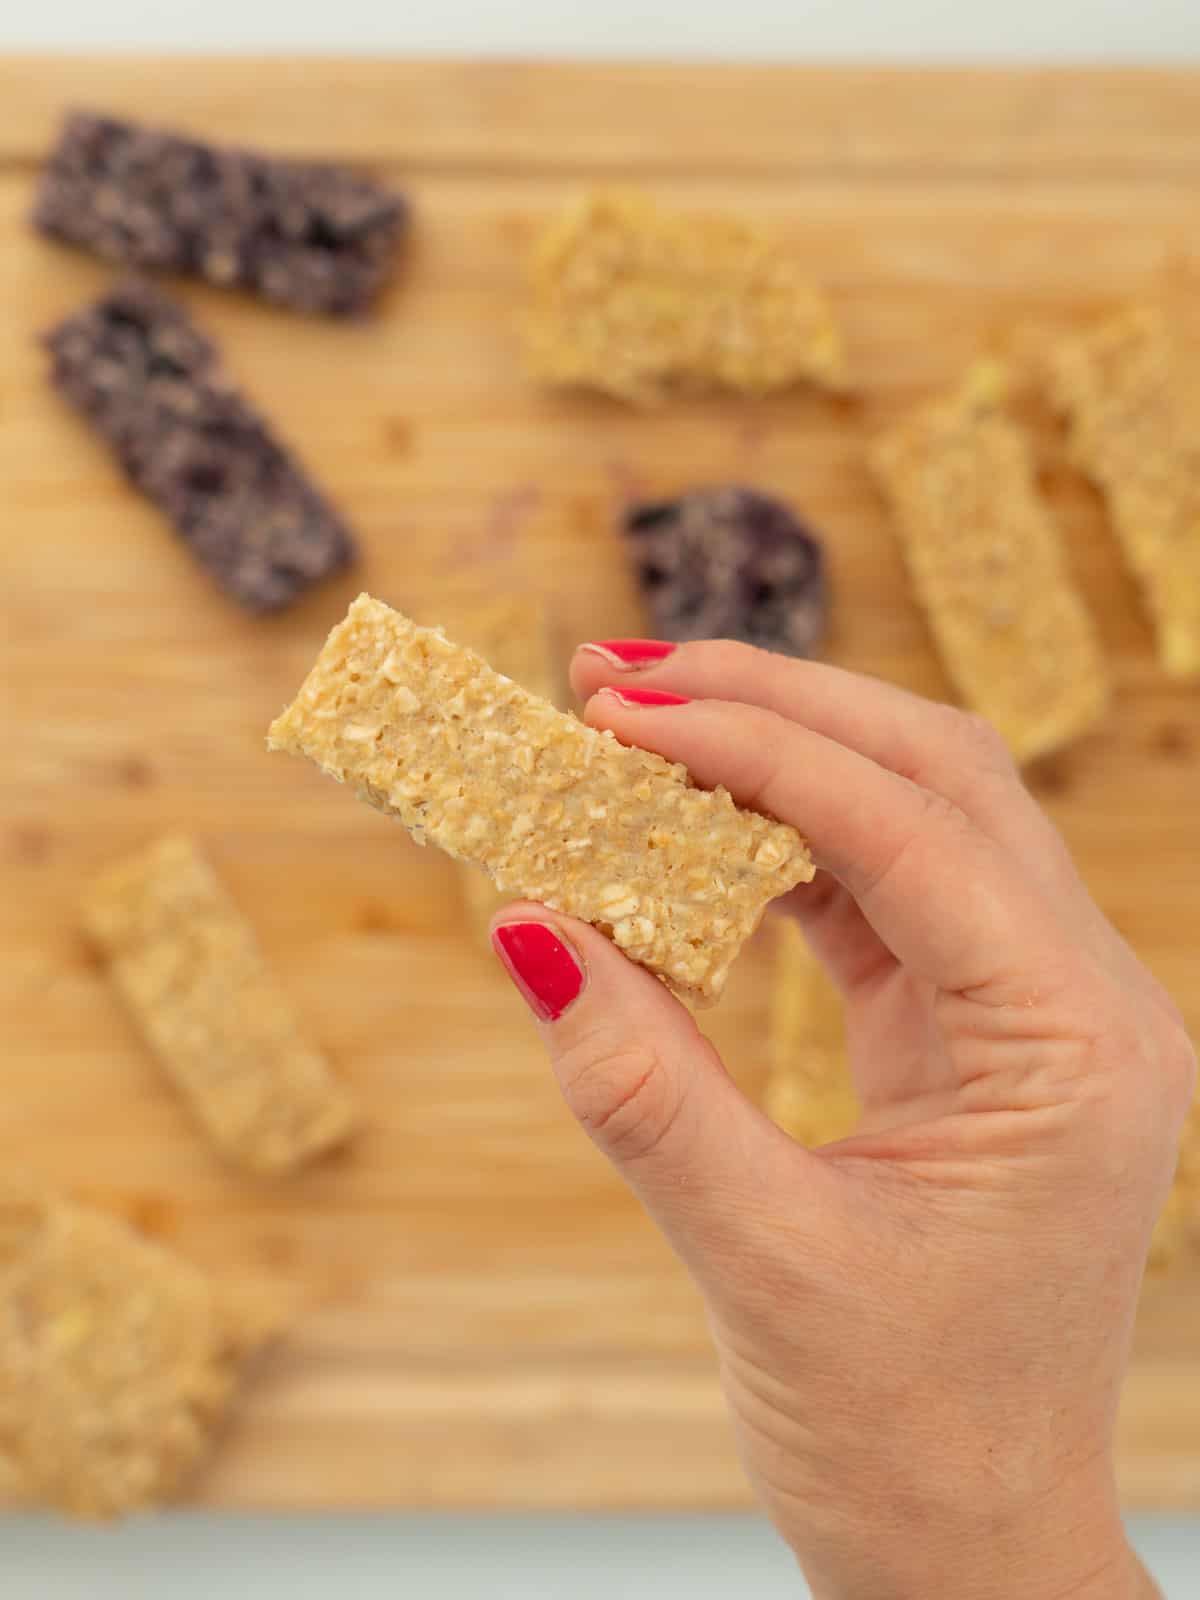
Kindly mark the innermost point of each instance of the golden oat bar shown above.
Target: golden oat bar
(809, 1092)
(988, 568)
(426, 731)
(636, 299)
(1135, 431)
(118, 1360)
(189, 968)
(511, 632)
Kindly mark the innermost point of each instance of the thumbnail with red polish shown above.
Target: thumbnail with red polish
(540, 964)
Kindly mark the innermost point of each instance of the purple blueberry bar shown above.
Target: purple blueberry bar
(136, 366)
(312, 237)
(730, 563)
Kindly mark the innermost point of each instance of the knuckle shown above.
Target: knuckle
(940, 811)
(728, 658)
(939, 815)
(623, 1095)
(984, 744)
(1143, 1083)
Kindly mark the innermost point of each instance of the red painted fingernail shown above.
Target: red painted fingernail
(645, 697)
(540, 964)
(628, 654)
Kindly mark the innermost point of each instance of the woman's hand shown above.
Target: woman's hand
(922, 1329)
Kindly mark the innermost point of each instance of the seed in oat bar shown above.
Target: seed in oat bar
(315, 238)
(1134, 429)
(677, 876)
(188, 967)
(729, 563)
(153, 386)
(638, 300)
(988, 568)
(809, 1091)
(118, 1359)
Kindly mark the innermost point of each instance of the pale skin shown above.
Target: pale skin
(923, 1329)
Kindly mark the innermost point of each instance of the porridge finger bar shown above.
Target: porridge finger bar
(511, 633)
(189, 968)
(554, 810)
(1135, 432)
(636, 300)
(809, 1091)
(153, 386)
(310, 237)
(118, 1359)
(988, 568)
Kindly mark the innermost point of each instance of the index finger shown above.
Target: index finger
(942, 896)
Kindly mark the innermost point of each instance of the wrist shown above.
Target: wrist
(1063, 1546)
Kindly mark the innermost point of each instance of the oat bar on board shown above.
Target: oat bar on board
(188, 967)
(988, 568)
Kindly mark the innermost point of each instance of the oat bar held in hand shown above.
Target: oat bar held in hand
(553, 809)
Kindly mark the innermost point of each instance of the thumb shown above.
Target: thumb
(648, 1087)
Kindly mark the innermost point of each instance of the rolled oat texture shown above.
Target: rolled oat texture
(1134, 429)
(987, 565)
(188, 966)
(638, 300)
(511, 631)
(555, 811)
(118, 1360)
(809, 1091)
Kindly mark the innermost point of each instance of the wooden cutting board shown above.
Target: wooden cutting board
(485, 1317)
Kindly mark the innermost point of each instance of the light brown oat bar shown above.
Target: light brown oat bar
(637, 299)
(188, 966)
(1135, 431)
(117, 1358)
(809, 1092)
(510, 632)
(988, 568)
(554, 810)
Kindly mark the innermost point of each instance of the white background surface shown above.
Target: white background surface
(197, 1557)
(910, 30)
